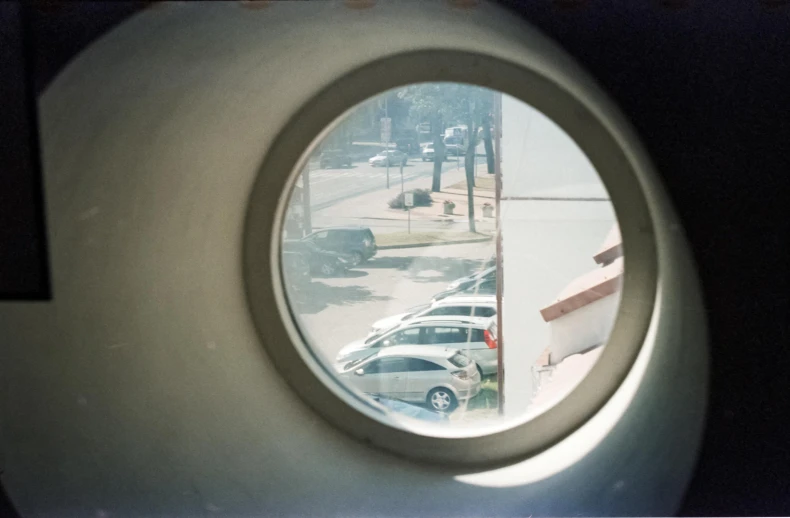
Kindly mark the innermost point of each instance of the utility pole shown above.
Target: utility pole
(307, 214)
(387, 144)
(500, 285)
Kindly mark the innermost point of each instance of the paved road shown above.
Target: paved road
(329, 186)
(339, 310)
(381, 226)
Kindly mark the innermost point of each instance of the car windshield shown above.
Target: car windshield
(354, 363)
(379, 334)
(416, 309)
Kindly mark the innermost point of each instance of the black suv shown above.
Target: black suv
(334, 158)
(317, 260)
(356, 242)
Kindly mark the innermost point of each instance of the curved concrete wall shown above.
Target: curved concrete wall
(142, 388)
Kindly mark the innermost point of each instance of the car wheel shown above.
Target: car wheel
(442, 400)
(356, 259)
(328, 269)
(481, 372)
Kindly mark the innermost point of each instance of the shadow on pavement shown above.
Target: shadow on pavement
(319, 296)
(445, 268)
(354, 274)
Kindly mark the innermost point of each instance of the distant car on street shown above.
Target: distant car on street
(389, 157)
(357, 243)
(476, 336)
(438, 377)
(454, 146)
(461, 306)
(334, 158)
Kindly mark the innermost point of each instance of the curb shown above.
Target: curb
(420, 245)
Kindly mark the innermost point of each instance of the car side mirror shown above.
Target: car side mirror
(359, 372)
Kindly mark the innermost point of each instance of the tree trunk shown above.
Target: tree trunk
(469, 166)
(438, 154)
(489, 145)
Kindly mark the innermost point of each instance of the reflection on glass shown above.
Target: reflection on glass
(441, 236)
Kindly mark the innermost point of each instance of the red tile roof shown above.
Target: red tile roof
(585, 290)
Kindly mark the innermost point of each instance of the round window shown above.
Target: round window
(442, 257)
(447, 260)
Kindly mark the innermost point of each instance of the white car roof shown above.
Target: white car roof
(447, 319)
(478, 300)
(417, 351)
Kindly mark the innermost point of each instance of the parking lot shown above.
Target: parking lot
(338, 310)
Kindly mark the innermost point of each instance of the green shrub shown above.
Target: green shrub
(422, 198)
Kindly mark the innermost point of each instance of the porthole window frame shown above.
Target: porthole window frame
(576, 113)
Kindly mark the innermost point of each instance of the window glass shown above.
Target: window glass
(446, 335)
(451, 310)
(510, 183)
(416, 364)
(386, 366)
(459, 360)
(477, 335)
(407, 336)
(483, 311)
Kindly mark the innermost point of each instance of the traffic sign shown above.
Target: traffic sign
(409, 199)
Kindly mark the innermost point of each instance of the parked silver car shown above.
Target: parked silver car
(438, 377)
(392, 157)
(475, 336)
(453, 306)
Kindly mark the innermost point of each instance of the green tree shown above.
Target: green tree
(435, 103)
(444, 104)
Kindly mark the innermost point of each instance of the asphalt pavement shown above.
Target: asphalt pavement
(330, 186)
(339, 310)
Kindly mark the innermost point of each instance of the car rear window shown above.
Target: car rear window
(460, 360)
(483, 312)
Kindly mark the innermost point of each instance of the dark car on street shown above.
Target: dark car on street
(357, 243)
(320, 261)
(334, 158)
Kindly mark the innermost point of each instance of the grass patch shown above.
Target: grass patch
(487, 398)
(482, 183)
(426, 238)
